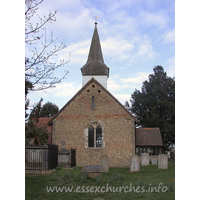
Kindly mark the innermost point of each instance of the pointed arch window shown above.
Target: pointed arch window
(95, 136)
(91, 136)
(93, 103)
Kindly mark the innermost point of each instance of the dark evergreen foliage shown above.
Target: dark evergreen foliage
(48, 110)
(154, 105)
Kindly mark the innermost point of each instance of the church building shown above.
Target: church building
(94, 123)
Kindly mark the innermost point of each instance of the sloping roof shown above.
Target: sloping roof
(95, 64)
(92, 80)
(43, 121)
(148, 137)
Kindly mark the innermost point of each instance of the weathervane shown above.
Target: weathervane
(96, 18)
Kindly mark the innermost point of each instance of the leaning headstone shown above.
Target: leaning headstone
(154, 161)
(162, 161)
(92, 170)
(135, 164)
(104, 163)
(144, 159)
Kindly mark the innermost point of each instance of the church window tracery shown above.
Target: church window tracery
(95, 136)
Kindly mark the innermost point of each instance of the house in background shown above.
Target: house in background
(42, 123)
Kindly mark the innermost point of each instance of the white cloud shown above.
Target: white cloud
(136, 80)
(120, 49)
(158, 19)
(117, 47)
(146, 50)
(113, 86)
(122, 97)
(170, 67)
(79, 52)
(169, 37)
(65, 89)
(117, 84)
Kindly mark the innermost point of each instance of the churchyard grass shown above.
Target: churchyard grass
(149, 176)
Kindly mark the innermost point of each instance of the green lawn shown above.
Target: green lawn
(120, 178)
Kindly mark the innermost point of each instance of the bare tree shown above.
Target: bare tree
(40, 71)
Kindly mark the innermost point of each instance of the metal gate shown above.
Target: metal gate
(52, 156)
(73, 157)
(41, 158)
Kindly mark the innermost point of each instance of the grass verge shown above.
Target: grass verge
(107, 187)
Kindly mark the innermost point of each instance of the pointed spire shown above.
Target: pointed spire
(95, 53)
(95, 64)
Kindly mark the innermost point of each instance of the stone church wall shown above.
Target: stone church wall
(69, 128)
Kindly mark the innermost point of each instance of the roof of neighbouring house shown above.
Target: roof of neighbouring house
(148, 137)
(43, 122)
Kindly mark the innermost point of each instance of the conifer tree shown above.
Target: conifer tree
(154, 105)
(48, 110)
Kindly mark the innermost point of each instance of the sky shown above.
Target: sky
(135, 36)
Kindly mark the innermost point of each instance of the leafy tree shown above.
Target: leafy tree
(31, 128)
(35, 113)
(154, 105)
(28, 87)
(42, 135)
(48, 110)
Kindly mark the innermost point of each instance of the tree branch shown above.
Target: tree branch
(39, 70)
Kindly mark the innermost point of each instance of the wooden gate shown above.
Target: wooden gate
(73, 157)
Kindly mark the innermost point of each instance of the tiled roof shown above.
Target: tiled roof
(43, 122)
(148, 137)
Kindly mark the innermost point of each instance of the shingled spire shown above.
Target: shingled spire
(95, 65)
(95, 53)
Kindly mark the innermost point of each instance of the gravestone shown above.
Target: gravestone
(104, 163)
(162, 161)
(154, 161)
(63, 157)
(135, 164)
(93, 170)
(144, 159)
